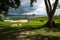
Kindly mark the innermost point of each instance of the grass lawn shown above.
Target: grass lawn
(34, 24)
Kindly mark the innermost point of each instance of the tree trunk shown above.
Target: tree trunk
(50, 12)
(1, 17)
(50, 23)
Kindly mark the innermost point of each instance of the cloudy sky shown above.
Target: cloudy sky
(38, 8)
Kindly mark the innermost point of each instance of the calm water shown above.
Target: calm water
(17, 16)
(20, 16)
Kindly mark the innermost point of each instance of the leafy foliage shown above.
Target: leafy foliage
(6, 4)
(32, 1)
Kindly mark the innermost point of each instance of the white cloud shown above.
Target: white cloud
(38, 8)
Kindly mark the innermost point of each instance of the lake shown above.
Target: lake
(21, 16)
(18, 16)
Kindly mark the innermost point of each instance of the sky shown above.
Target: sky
(37, 9)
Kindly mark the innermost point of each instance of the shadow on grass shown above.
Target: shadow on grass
(57, 28)
(12, 36)
(41, 37)
(11, 33)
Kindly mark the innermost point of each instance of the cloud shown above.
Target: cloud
(38, 8)
(24, 8)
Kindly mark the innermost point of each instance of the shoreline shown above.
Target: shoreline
(23, 20)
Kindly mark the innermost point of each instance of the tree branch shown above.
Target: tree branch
(50, 7)
(31, 2)
(55, 6)
(47, 7)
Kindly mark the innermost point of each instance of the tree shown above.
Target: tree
(33, 16)
(50, 9)
(26, 16)
(6, 4)
(58, 6)
(32, 1)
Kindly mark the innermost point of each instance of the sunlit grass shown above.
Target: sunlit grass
(34, 24)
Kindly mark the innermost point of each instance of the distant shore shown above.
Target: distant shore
(23, 20)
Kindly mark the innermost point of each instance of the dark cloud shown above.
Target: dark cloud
(24, 8)
(38, 8)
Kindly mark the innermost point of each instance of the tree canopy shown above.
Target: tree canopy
(6, 4)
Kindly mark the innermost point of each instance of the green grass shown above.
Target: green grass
(35, 24)
(57, 19)
(48, 32)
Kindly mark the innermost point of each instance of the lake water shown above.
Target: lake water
(20, 16)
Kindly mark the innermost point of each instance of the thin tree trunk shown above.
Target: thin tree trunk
(1, 17)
